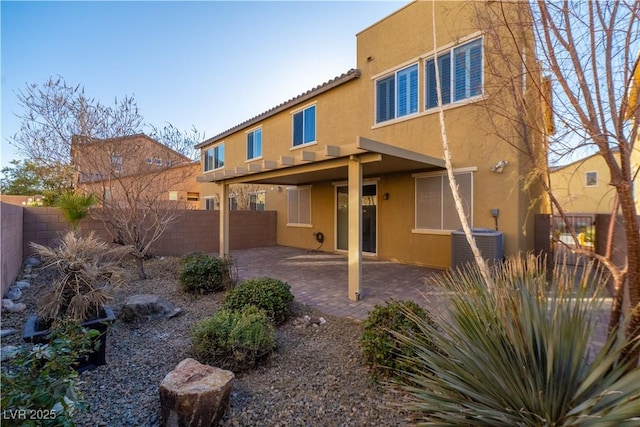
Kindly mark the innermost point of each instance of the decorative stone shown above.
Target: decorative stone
(8, 352)
(147, 307)
(12, 307)
(21, 284)
(34, 262)
(14, 294)
(7, 332)
(194, 394)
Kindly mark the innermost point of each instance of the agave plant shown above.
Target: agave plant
(519, 354)
(89, 269)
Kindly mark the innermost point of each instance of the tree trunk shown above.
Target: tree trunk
(140, 263)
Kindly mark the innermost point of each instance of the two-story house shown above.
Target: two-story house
(359, 159)
(135, 164)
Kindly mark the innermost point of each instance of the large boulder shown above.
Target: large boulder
(194, 394)
(147, 307)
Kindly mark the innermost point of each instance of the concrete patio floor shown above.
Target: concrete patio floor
(319, 279)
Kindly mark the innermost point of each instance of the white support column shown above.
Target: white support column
(224, 220)
(355, 227)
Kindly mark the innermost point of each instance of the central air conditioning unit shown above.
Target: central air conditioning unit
(490, 242)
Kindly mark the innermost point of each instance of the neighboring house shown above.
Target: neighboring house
(138, 164)
(359, 159)
(584, 185)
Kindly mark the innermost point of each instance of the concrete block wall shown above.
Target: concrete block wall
(11, 253)
(194, 231)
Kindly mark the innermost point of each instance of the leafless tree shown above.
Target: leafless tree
(140, 184)
(183, 142)
(55, 111)
(575, 60)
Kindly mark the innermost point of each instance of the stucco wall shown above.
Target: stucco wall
(196, 230)
(11, 253)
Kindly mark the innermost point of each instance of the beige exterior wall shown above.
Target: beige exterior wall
(569, 185)
(346, 112)
(11, 235)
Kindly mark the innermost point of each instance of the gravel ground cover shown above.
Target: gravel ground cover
(315, 377)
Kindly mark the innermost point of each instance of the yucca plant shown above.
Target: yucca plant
(519, 354)
(88, 270)
(75, 206)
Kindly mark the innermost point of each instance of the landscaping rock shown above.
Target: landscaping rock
(147, 307)
(21, 284)
(11, 307)
(14, 294)
(194, 394)
(8, 352)
(7, 332)
(32, 261)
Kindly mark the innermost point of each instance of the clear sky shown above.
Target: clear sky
(209, 64)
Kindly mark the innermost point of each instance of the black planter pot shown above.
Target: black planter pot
(93, 359)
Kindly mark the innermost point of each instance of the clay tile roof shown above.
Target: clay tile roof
(337, 81)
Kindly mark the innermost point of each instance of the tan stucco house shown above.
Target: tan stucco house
(357, 162)
(134, 164)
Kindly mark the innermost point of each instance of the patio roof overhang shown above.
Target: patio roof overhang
(329, 164)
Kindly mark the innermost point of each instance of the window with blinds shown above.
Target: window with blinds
(461, 75)
(299, 206)
(435, 207)
(397, 94)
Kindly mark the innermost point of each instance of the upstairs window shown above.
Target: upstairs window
(257, 200)
(460, 74)
(214, 158)
(116, 162)
(254, 144)
(304, 126)
(591, 179)
(397, 94)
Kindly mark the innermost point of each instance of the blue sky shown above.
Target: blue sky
(207, 64)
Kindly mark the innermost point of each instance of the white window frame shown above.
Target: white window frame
(298, 190)
(214, 153)
(213, 200)
(250, 156)
(586, 179)
(451, 51)
(396, 100)
(315, 126)
(443, 176)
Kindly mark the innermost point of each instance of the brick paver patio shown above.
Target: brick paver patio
(319, 279)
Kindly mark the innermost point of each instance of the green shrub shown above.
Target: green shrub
(382, 352)
(203, 274)
(517, 352)
(42, 381)
(271, 295)
(234, 340)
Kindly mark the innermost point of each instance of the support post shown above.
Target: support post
(224, 220)
(355, 228)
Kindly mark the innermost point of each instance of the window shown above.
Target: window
(254, 144)
(397, 95)
(211, 203)
(299, 206)
(257, 200)
(435, 208)
(149, 160)
(214, 158)
(173, 195)
(460, 74)
(233, 202)
(158, 162)
(591, 179)
(116, 162)
(304, 126)
(193, 197)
